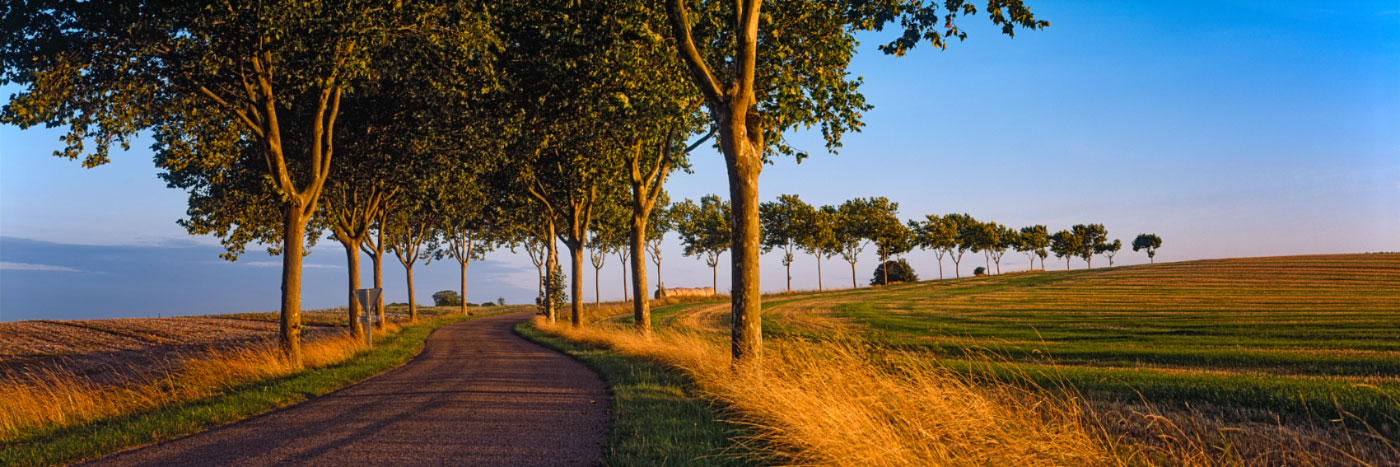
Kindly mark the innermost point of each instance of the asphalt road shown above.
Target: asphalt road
(477, 395)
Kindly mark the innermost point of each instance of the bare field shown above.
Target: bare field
(118, 351)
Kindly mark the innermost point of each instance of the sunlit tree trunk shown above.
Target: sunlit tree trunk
(551, 265)
(352, 262)
(641, 305)
(853, 275)
(412, 302)
(576, 283)
(293, 233)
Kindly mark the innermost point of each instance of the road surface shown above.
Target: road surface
(477, 395)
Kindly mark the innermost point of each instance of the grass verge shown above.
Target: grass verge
(53, 445)
(658, 416)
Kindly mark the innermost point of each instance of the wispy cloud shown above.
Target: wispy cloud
(12, 266)
(278, 264)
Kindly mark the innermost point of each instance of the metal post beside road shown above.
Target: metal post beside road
(369, 299)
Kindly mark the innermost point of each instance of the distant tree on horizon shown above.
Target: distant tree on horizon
(965, 227)
(1064, 244)
(704, 230)
(1149, 242)
(935, 233)
(1091, 241)
(1109, 250)
(819, 238)
(785, 224)
(1033, 241)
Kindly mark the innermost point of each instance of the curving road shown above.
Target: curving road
(477, 395)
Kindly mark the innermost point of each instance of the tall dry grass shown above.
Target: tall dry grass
(824, 403)
(53, 397)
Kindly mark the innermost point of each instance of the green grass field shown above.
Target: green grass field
(1306, 339)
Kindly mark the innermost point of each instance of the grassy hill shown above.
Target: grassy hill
(1298, 344)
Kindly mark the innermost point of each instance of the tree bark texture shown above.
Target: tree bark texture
(293, 232)
(641, 304)
(412, 303)
(576, 284)
(352, 262)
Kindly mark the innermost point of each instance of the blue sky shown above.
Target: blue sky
(1228, 128)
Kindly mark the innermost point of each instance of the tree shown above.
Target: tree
(1001, 238)
(794, 74)
(936, 234)
(819, 238)
(352, 210)
(850, 231)
(891, 237)
(1149, 242)
(622, 255)
(964, 228)
(609, 234)
(1033, 241)
(893, 271)
(221, 88)
(446, 298)
(1109, 250)
(662, 114)
(786, 222)
(407, 228)
(1091, 240)
(660, 222)
(704, 230)
(1065, 244)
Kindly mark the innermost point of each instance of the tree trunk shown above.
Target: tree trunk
(744, 162)
(539, 270)
(551, 264)
(1089, 262)
(293, 234)
(641, 303)
(819, 271)
(412, 303)
(885, 268)
(659, 283)
(378, 266)
(624, 282)
(957, 268)
(352, 262)
(1067, 258)
(789, 275)
(853, 275)
(998, 265)
(576, 283)
(597, 292)
(940, 269)
(714, 276)
(463, 264)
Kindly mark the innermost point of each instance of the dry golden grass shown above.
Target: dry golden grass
(863, 377)
(51, 398)
(828, 404)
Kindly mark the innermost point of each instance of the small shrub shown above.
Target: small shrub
(980, 271)
(488, 303)
(447, 298)
(899, 270)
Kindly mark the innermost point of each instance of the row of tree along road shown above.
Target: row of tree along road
(438, 129)
(846, 230)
